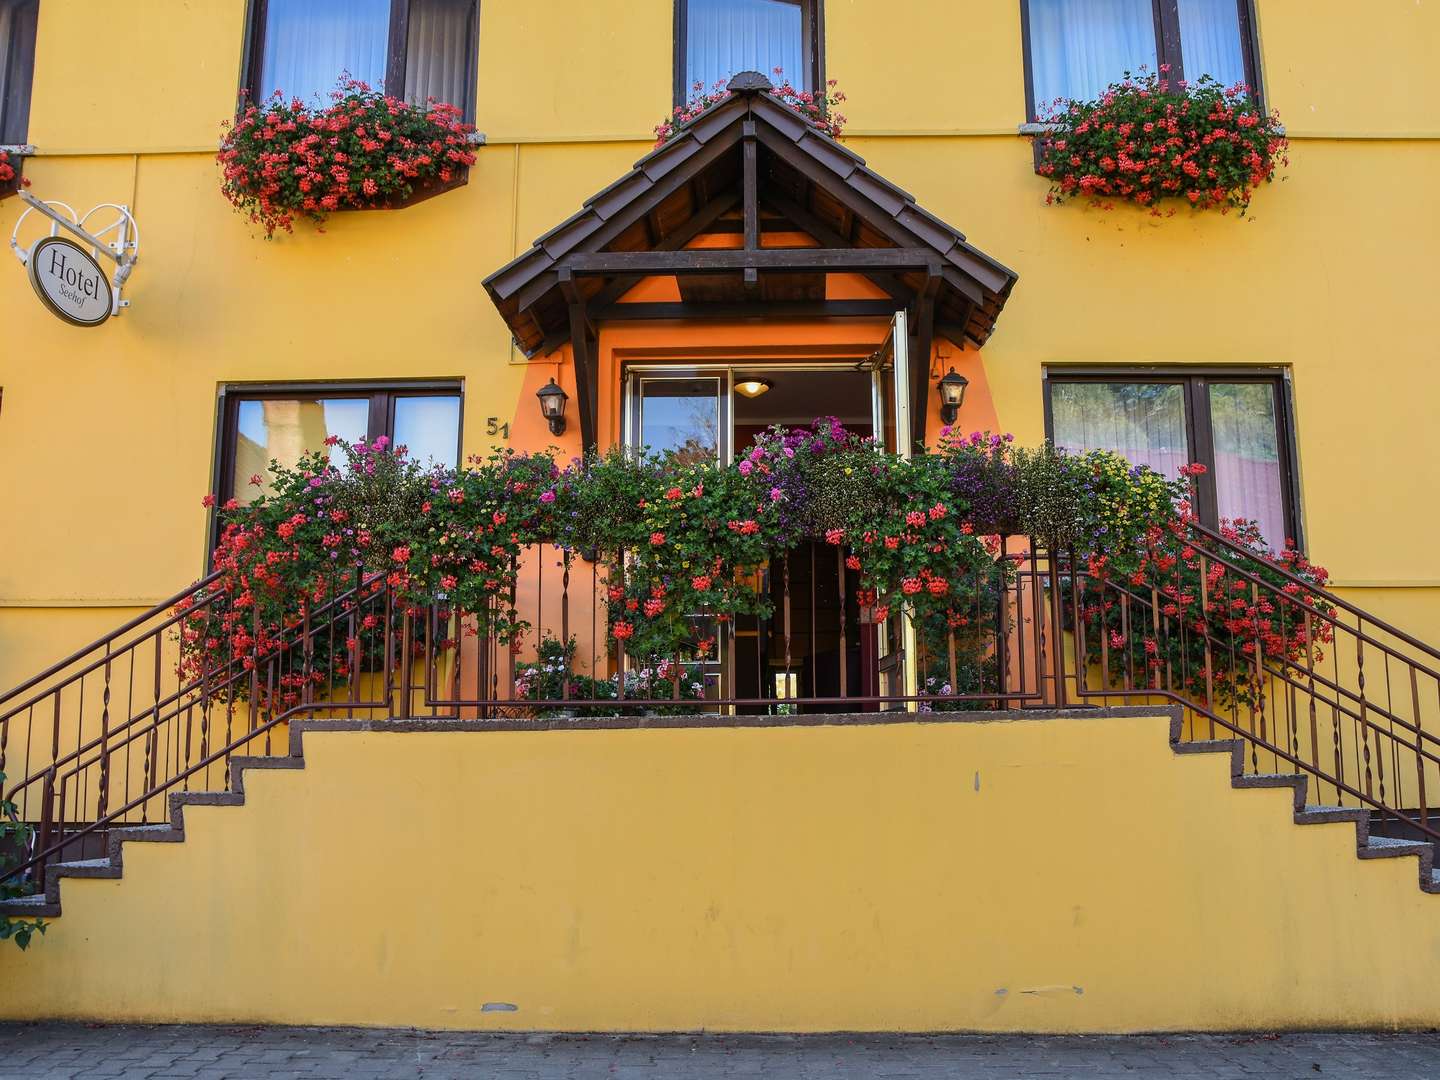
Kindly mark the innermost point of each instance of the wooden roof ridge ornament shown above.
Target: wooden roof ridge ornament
(753, 156)
(748, 82)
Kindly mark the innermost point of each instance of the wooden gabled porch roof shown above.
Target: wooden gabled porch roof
(752, 165)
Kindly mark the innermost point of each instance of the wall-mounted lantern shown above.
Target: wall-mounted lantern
(552, 406)
(952, 395)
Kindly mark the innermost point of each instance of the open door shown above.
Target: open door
(896, 661)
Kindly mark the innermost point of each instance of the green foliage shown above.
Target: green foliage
(15, 838)
(682, 545)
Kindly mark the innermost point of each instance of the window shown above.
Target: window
(1075, 48)
(1236, 423)
(413, 49)
(283, 423)
(17, 65)
(715, 39)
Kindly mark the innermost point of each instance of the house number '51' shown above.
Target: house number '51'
(494, 427)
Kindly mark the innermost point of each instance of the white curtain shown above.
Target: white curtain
(438, 51)
(1144, 422)
(1079, 47)
(1248, 481)
(310, 43)
(1210, 40)
(723, 37)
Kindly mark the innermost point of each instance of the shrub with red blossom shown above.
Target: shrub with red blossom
(817, 108)
(1145, 140)
(284, 159)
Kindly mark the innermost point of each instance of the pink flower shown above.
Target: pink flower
(547, 497)
(401, 554)
(657, 539)
(834, 536)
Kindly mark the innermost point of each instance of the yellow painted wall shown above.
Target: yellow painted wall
(107, 436)
(889, 877)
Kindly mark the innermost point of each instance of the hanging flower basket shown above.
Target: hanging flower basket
(816, 108)
(283, 159)
(1144, 141)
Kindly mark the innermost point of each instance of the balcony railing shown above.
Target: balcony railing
(101, 739)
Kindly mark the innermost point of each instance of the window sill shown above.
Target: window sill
(17, 153)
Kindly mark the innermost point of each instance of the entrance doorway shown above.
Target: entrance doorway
(816, 649)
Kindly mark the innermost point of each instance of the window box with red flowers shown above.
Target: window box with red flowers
(283, 160)
(1146, 142)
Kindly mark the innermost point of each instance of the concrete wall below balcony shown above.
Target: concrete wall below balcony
(858, 875)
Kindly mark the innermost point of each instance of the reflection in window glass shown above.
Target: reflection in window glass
(1248, 479)
(1143, 421)
(1210, 41)
(1079, 47)
(430, 427)
(284, 430)
(681, 416)
(724, 37)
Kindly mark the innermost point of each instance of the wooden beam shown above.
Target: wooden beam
(587, 382)
(923, 324)
(867, 211)
(791, 260)
(750, 187)
(701, 220)
(780, 309)
(813, 224)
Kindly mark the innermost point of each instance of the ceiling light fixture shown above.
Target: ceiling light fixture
(753, 387)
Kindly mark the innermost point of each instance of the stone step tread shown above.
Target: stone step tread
(86, 868)
(1397, 845)
(30, 907)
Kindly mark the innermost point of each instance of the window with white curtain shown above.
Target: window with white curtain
(1235, 423)
(1076, 48)
(419, 50)
(716, 39)
(17, 64)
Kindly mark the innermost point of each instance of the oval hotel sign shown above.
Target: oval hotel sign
(70, 282)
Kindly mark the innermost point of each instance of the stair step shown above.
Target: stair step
(86, 868)
(1319, 815)
(38, 906)
(1206, 746)
(266, 761)
(206, 798)
(155, 834)
(1387, 847)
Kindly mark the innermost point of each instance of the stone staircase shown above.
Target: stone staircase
(47, 904)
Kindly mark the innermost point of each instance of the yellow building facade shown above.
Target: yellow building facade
(109, 437)
(1286, 348)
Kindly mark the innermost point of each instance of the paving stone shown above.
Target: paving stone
(33, 1051)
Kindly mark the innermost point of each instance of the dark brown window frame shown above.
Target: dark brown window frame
(15, 106)
(381, 394)
(395, 56)
(1196, 381)
(1167, 46)
(812, 30)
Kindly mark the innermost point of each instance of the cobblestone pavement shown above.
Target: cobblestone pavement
(209, 1053)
